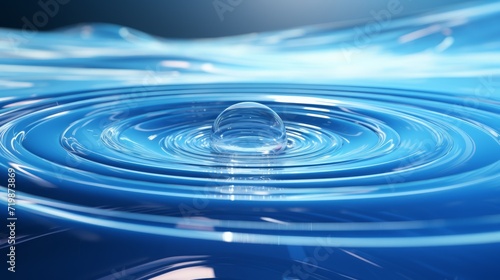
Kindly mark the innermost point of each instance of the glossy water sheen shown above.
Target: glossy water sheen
(248, 128)
(391, 168)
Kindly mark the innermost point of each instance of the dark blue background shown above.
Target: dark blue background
(198, 18)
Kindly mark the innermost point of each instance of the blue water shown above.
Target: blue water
(390, 167)
(248, 128)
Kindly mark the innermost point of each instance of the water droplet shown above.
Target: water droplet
(249, 128)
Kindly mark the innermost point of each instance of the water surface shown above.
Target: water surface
(391, 168)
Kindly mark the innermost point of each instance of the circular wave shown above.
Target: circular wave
(140, 159)
(239, 267)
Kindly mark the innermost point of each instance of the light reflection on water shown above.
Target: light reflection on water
(393, 143)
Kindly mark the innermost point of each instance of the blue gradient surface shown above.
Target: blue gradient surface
(391, 170)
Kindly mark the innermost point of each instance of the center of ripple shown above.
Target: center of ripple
(248, 128)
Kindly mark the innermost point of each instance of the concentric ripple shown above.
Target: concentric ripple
(392, 147)
(354, 155)
(238, 267)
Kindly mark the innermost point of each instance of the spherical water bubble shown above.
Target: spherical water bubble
(248, 128)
